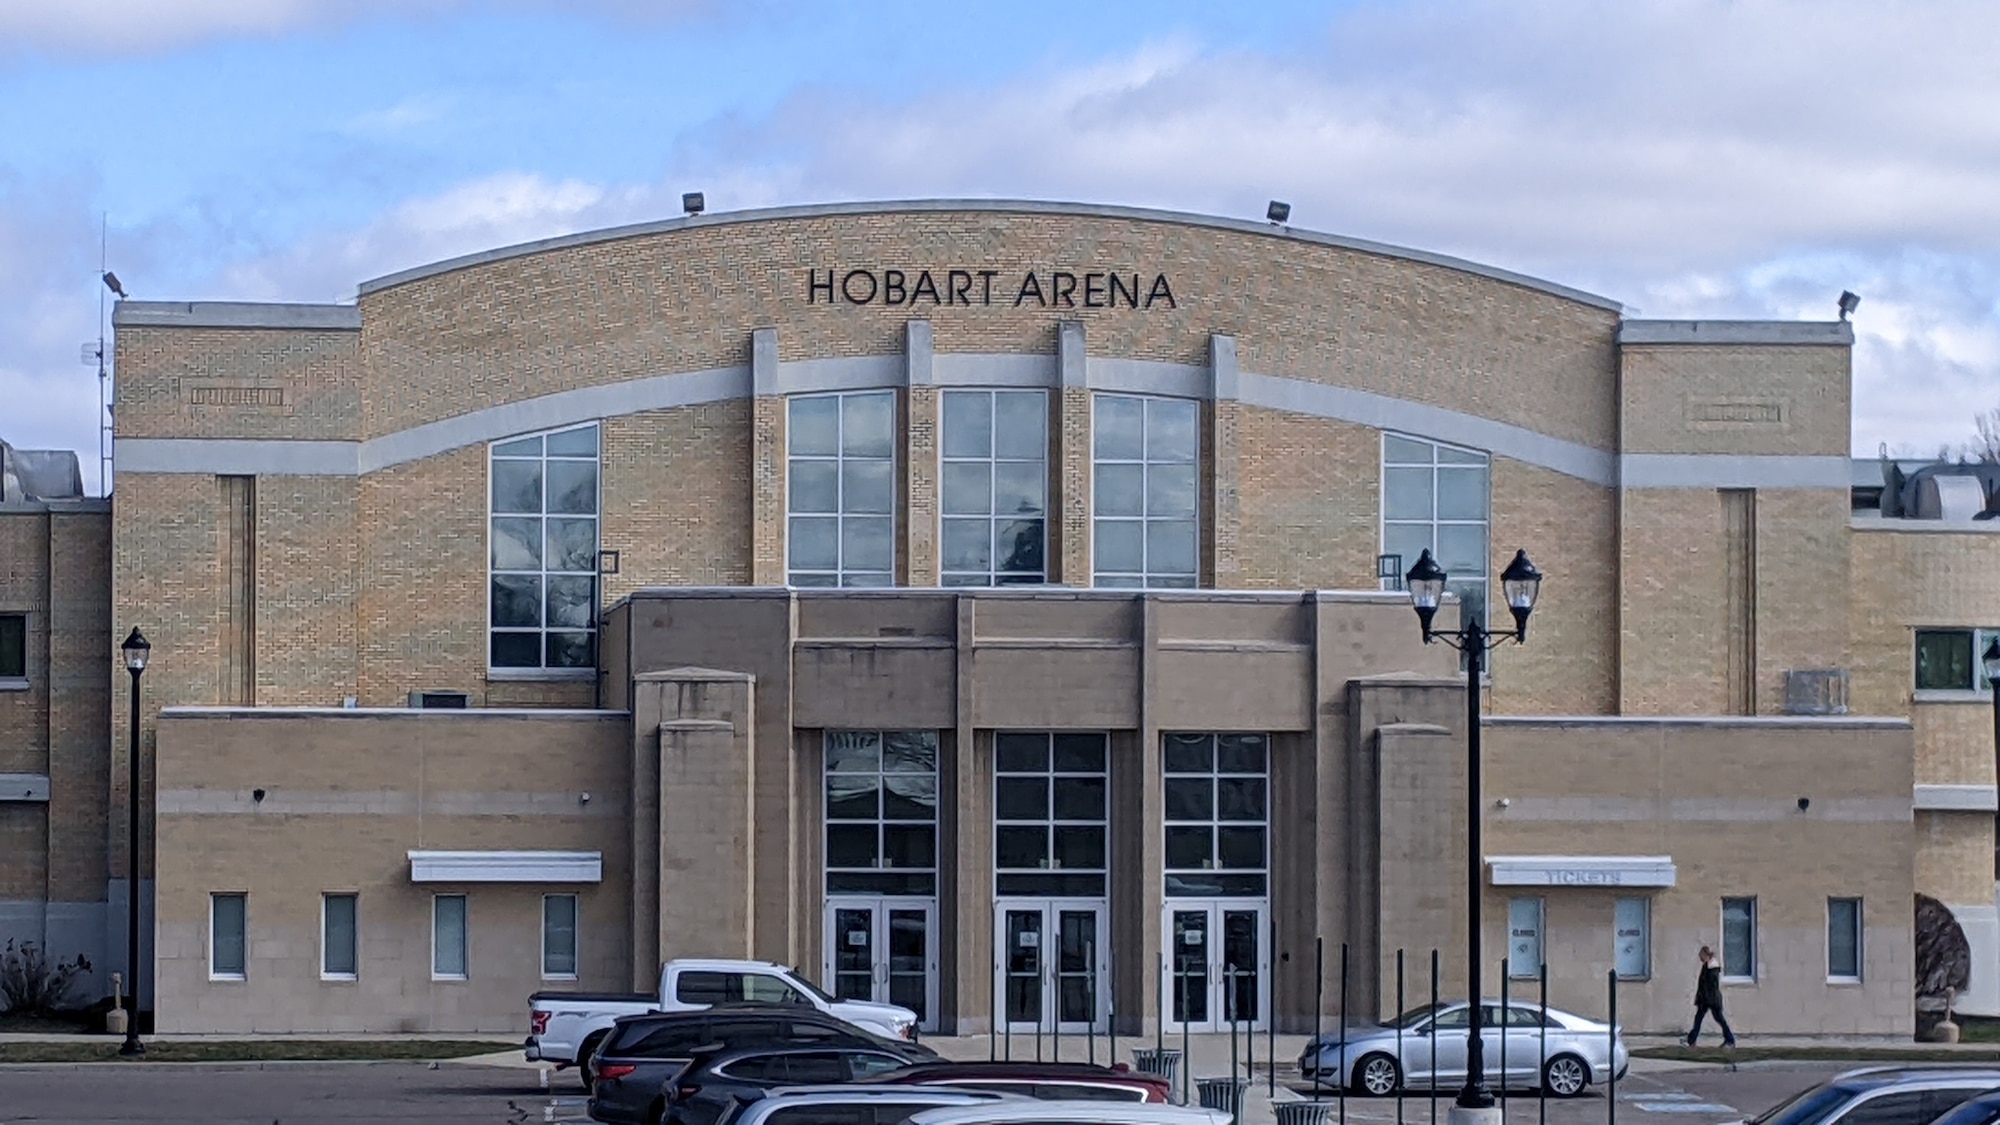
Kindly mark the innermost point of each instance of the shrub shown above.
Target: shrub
(33, 985)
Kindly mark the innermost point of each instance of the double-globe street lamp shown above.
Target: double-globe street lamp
(135, 650)
(1519, 584)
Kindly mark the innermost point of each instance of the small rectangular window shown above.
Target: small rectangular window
(448, 937)
(559, 937)
(1843, 939)
(227, 925)
(13, 646)
(1524, 937)
(1944, 660)
(1632, 922)
(696, 986)
(338, 953)
(1739, 939)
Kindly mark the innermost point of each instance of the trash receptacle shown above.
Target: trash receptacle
(1166, 1063)
(1225, 1094)
(1302, 1113)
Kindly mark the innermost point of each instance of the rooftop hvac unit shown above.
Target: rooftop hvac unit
(440, 700)
(1816, 691)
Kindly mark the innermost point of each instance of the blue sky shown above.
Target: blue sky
(1688, 157)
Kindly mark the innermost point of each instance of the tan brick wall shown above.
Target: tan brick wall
(346, 797)
(1569, 664)
(308, 590)
(1954, 862)
(232, 382)
(1762, 399)
(439, 345)
(423, 578)
(1309, 497)
(1724, 797)
(677, 497)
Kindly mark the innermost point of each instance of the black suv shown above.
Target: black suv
(640, 1053)
(713, 1085)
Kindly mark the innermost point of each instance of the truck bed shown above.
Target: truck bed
(645, 998)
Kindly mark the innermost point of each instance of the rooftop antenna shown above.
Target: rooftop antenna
(93, 352)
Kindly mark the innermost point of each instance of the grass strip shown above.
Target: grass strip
(249, 1050)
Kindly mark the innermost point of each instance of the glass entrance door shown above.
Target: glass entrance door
(1218, 964)
(883, 950)
(1052, 966)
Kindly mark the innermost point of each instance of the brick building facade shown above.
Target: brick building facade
(510, 481)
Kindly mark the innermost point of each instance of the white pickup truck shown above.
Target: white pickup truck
(565, 1027)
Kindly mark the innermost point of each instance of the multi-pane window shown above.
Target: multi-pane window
(1144, 491)
(1739, 938)
(1050, 814)
(1843, 939)
(339, 957)
(1436, 497)
(1950, 659)
(1217, 818)
(13, 646)
(994, 490)
(543, 559)
(228, 942)
(840, 489)
(448, 937)
(1524, 937)
(881, 812)
(1632, 923)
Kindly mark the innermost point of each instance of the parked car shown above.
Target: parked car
(1982, 1109)
(851, 1104)
(1071, 1113)
(642, 1052)
(1884, 1095)
(1559, 1052)
(1045, 1081)
(711, 1084)
(565, 1027)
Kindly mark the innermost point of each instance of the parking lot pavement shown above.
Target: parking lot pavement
(281, 1093)
(401, 1093)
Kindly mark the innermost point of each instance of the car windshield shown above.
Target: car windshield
(799, 979)
(1414, 1016)
(1806, 1108)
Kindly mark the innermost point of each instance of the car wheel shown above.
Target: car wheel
(1565, 1076)
(1377, 1075)
(583, 1056)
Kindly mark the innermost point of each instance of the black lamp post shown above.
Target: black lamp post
(1991, 661)
(135, 650)
(1520, 582)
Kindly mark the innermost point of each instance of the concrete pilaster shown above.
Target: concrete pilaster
(1069, 554)
(1222, 475)
(920, 461)
(767, 462)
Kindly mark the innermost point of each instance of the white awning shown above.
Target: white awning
(1582, 870)
(506, 867)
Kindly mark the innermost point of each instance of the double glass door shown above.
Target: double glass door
(1218, 964)
(1052, 966)
(885, 950)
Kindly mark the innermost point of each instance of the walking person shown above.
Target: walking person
(1708, 998)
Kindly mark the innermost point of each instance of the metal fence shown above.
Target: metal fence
(1319, 1099)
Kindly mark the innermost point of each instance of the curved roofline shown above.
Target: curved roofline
(1016, 206)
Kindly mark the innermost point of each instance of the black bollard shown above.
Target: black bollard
(1506, 1015)
(993, 1015)
(1400, 1057)
(1543, 1117)
(1434, 1041)
(1319, 1007)
(1271, 1018)
(1345, 1069)
(1611, 1093)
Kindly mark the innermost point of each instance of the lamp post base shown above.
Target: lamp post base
(132, 1048)
(1460, 1115)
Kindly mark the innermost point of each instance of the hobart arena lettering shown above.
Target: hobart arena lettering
(1056, 289)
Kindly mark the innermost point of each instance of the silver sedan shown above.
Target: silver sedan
(1546, 1049)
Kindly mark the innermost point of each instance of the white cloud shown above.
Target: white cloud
(122, 27)
(1689, 158)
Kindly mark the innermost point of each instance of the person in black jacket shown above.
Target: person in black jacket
(1708, 998)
